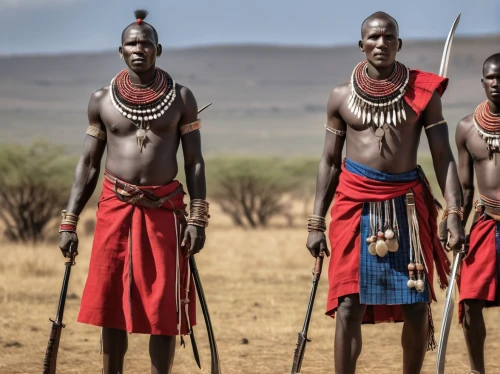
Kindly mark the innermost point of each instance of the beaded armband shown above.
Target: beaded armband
(96, 133)
(335, 131)
(317, 223)
(188, 127)
(434, 124)
(69, 222)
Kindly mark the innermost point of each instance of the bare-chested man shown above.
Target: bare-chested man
(478, 143)
(138, 273)
(383, 231)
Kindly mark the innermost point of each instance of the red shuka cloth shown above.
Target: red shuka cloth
(421, 87)
(344, 235)
(105, 300)
(478, 271)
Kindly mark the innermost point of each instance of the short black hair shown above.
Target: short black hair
(376, 15)
(492, 59)
(140, 14)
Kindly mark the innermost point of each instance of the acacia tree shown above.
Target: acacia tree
(252, 190)
(34, 185)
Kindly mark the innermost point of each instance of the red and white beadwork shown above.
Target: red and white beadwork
(142, 104)
(378, 101)
(488, 126)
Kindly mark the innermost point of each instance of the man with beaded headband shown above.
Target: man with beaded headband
(383, 231)
(478, 142)
(139, 279)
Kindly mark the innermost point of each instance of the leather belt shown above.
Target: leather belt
(132, 194)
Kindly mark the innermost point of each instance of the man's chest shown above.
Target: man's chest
(118, 124)
(407, 123)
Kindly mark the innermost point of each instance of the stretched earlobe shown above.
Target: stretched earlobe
(159, 50)
(120, 51)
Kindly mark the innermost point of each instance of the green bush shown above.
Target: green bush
(34, 186)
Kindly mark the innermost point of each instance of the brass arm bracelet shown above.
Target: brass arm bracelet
(453, 210)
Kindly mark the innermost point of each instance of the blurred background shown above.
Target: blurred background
(268, 67)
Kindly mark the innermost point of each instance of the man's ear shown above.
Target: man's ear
(360, 45)
(159, 50)
(400, 44)
(120, 51)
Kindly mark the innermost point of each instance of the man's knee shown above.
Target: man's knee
(416, 313)
(473, 309)
(473, 306)
(350, 310)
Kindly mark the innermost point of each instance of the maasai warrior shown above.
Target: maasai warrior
(478, 143)
(383, 231)
(139, 279)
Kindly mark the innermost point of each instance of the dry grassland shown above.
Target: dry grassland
(257, 283)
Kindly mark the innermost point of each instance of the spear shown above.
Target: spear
(449, 305)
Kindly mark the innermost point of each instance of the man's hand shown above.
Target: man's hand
(194, 239)
(68, 240)
(456, 231)
(316, 243)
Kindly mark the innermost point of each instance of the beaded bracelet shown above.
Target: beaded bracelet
(198, 213)
(453, 210)
(316, 223)
(69, 222)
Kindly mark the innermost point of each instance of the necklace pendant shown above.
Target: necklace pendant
(141, 137)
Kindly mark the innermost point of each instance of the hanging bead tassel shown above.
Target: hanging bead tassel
(371, 240)
(411, 270)
(420, 284)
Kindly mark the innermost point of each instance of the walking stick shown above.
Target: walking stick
(49, 364)
(302, 337)
(215, 366)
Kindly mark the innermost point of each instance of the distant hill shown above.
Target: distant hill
(267, 99)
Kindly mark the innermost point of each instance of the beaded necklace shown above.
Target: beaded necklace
(142, 104)
(378, 100)
(488, 126)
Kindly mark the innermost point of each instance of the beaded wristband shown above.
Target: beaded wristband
(453, 210)
(198, 213)
(316, 223)
(69, 222)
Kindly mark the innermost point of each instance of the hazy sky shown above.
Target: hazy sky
(48, 26)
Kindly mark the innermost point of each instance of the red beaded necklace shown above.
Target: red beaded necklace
(142, 95)
(488, 126)
(379, 100)
(142, 104)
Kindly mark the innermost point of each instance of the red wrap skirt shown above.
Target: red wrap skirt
(479, 270)
(138, 275)
(344, 234)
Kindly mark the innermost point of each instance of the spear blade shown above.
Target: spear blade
(443, 69)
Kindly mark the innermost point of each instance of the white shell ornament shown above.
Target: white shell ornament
(372, 249)
(381, 248)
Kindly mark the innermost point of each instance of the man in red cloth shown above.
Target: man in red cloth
(477, 139)
(139, 279)
(383, 231)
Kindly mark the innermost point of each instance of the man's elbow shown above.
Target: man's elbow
(195, 162)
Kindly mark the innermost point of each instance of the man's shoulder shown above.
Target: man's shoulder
(466, 123)
(97, 98)
(341, 92)
(101, 93)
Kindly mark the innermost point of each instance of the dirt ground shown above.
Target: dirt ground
(257, 284)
